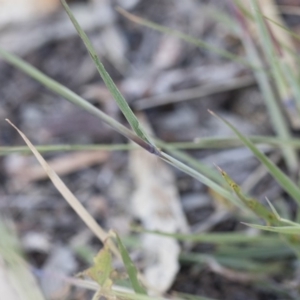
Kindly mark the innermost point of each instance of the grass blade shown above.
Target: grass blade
(280, 229)
(278, 121)
(74, 98)
(223, 238)
(79, 101)
(184, 37)
(204, 179)
(196, 164)
(122, 103)
(130, 267)
(203, 143)
(68, 195)
(274, 53)
(286, 183)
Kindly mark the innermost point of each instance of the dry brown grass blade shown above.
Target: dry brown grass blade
(68, 195)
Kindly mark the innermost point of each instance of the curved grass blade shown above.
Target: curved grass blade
(285, 182)
(79, 101)
(74, 98)
(122, 103)
(184, 37)
(68, 195)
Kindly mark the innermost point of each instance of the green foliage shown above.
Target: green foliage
(130, 267)
(123, 105)
(228, 252)
(286, 183)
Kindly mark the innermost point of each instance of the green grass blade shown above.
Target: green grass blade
(286, 29)
(255, 206)
(196, 164)
(59, 148)
(277, 118)
(73, 97)
(203, 143)
(79, 101)
(234, 263)
(280, 229)
(232, 142)
(285, 182)
(247, 13)
(270, 50)
(224, 238)
(122, 103)
(265, 251)
(184, 37)
(205, 180)
(130, 267)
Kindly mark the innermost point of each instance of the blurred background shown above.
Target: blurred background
(170, 84)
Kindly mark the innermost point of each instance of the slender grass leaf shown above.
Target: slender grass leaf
(233, 262)
(271, 50)
(203, 143)
(122, 103)
(286, 183)
(280, 229)
(196, 164)
(130, 267)
(290, 32)
(218, 238)
(205, 180)
(257, 251)
(74, 98)
(184, 37)
(68, 195)
(79, 101)
(278, 120)
(255, 206)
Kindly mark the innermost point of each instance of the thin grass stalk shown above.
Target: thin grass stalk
(278, 121)
(123, 105)
(79, 101)
(199, 144)
(184, 37)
